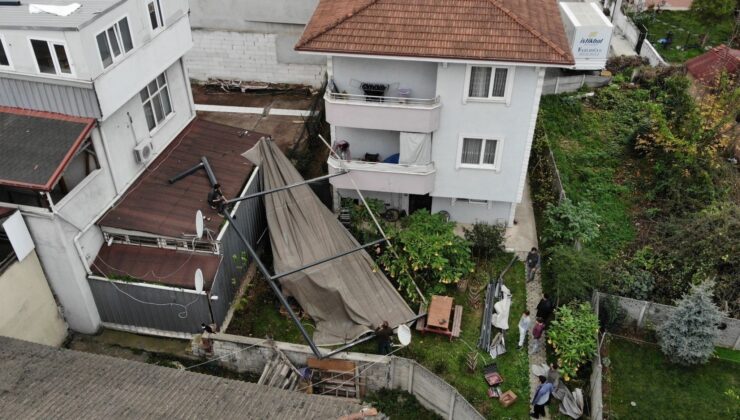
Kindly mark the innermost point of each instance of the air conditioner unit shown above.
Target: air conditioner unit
(143, 151)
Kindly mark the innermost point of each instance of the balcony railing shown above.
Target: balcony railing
(384, 177)
(384, 100)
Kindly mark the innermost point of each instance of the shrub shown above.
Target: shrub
(426, 245)
(574, 274)
(486, 240)
(629, 280)
(568, 223)
(687, 337)
(623, 63)
(362, 226)
(573, 337)
(611, 314)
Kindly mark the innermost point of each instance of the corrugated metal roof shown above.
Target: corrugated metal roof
(38, 381)
(156, 265)
(153, 205)
(18, 17)
(36, 147)
(51, 97)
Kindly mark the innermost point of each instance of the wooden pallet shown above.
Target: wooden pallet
(339, 378)
(456, 322)
(279, 372)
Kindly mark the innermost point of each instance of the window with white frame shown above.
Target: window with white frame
(51, 57)
(479, 152)
(114, 42)
(156, 100)
(154, 10)
(487, 83)
(4, 54)
(471, 201)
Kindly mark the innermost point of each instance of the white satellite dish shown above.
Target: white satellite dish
(404, 334)
(199, 224)
(198, 281)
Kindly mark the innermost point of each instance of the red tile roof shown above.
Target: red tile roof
(708, 66)
(491, 30)
(153, 205)
(36, 146)
(156, 265)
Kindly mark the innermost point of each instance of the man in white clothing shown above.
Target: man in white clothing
(523, 328)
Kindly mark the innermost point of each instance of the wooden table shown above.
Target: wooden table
(439, 314)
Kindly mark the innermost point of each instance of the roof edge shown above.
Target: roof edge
(334, 24)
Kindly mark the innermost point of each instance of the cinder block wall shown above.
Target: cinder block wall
(245, 56)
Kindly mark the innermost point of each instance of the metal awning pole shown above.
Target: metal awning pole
(285, 187)
(323, 260)
(366, 338)
(273, 286)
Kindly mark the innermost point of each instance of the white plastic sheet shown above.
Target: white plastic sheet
(416, 149)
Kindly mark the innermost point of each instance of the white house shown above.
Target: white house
(437, 99)
(109, 92)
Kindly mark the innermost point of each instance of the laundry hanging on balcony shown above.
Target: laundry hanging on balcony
(416, 149)
(347, 296)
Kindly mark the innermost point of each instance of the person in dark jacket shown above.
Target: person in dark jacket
(383, 334)
(532, 264)
(544, 308)
(541, 397)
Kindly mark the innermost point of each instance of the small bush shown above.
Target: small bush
(399, 404)
(611, 314)
(573, 337)
(624, 63)
(569, 222)
(629, 280)
(486, 240)
(574, 274)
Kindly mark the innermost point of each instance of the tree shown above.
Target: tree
(573, 337)
(710, 12)
(687, 337)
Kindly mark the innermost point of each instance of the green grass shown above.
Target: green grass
(640, 373)
(728, 355)
(591, 150)
(687, 33)
(400, 404)
(258, 316)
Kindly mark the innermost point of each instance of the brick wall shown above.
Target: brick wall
(245, 56)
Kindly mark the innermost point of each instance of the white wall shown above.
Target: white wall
(513, 123)
(494, 212)
(363, 141)
(419, 76)
(27, 307)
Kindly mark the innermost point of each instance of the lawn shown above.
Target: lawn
(639, 373)
(687, 33)
(258, 316)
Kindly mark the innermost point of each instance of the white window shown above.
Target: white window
(114, 42)
(487, 83)
(471, 201)
(154, 10)
(51, 57)
(479, 152)
(156, 100)
(4, 55)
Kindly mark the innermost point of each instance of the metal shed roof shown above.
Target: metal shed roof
(18, 17)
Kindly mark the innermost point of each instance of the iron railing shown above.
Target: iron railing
(385, 100)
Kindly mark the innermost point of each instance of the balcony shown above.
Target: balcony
(379, 112)
(383, 177)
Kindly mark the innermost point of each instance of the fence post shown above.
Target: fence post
(557, 83)
(641, 319)
(737, 343)
(410, 379)
(451, 414)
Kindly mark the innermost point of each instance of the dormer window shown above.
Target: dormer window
(154, 10)
(51, 57)
(4, 55)
(114, 42)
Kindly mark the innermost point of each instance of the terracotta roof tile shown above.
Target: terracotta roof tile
(711, 64)
(491, 30)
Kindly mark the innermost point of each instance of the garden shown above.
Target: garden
(649, 210)
(442, 263)
(692, 31)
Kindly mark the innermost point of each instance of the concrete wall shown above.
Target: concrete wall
(247, 354)
(419, 76)
(494, 212)
(252, 40)
(643, 314)
(513, 123)
(27, 308)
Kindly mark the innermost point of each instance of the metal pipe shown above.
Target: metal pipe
(274, 287)
(260, 194)
(323, 260)
(209, 171)
(185, 173)
(366, 338)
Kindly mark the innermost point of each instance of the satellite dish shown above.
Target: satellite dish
(198, 281)
(404, 334)
(199, 224)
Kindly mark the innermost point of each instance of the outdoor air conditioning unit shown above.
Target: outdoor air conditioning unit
(143, 151)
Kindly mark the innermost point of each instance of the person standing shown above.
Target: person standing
(544, 308)
(541, 397)
(383, 335)
(537, 334)
(523, 328)
(533, 263)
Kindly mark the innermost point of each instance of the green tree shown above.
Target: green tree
(571, 274)
(427, 251)
(568, 223)
(573, 337)
(687, 337)
(711, 11)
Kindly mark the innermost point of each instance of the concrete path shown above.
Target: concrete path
(620, 46)
(521, 238)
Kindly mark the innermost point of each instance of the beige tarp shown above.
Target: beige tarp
(344, 296)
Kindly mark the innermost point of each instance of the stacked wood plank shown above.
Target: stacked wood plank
(280, 373)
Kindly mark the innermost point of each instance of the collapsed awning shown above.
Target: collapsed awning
(346, 296)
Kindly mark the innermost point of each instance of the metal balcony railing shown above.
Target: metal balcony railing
(388, 100)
